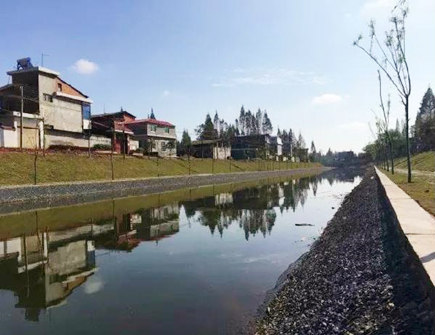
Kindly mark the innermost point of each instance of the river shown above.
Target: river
(195, 261)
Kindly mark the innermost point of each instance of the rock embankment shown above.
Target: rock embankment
(360, 277)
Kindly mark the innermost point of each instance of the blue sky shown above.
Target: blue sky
(184, 59)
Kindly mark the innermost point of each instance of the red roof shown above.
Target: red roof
(152, 121)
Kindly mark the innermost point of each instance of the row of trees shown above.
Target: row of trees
(248, 123)
(390, 143)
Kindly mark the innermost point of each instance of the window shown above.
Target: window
(48, 97)
(59, 87)
(86, 111)
(167, 130)
(163, 146)
(153, 127)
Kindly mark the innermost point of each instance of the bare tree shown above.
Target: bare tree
(390, 57)
(383, 123)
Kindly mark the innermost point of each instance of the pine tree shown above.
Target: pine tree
(206, 130)
(425, 122)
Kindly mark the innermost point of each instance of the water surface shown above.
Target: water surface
(186, 262)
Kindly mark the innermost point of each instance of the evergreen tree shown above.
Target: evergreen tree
(425, 123)
(259, 120)
(206, 130)
(267, 124)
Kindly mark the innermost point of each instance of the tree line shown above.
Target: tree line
(390, 143)
(247, 123)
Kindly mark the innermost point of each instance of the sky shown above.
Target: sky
(184, 59)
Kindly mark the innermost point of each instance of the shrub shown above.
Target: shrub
(102, 147)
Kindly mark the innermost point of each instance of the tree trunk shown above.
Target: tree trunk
(408, 151)
(391, 157)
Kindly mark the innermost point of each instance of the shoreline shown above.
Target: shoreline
(48, 195)
(360, 276)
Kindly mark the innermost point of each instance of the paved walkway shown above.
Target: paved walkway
(417, 224)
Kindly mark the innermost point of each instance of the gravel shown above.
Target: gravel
(27, 197)
(360, 277)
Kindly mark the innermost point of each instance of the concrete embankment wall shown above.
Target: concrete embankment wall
(361, 276)
(34, 196)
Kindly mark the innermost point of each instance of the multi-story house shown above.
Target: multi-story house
(251, 146)
(113, 125)
(39, 109)
(156, 137)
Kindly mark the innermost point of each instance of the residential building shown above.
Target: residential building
(155, 137)
(113, 126)
(251, 146)
(276, 147)
(44, 108)
(216, 149)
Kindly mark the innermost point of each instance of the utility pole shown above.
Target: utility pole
(21, 117)
(124, 141)
(111, 151)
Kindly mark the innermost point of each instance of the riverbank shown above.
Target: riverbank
(18, 168)
(360, 277)
(49, 195)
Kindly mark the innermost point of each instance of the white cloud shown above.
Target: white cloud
(165, 93)
(279, 76)
(327, 99)
(93, 286)
(84, 66)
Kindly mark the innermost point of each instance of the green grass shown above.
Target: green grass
(424, 161)
(18, 168)
(421, 189)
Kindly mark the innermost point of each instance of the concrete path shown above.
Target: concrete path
(417, 224)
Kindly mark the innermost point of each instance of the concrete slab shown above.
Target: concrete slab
(417, 224)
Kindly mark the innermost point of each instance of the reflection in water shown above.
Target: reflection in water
(43, 266)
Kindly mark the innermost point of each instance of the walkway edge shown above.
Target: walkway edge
(417, 224)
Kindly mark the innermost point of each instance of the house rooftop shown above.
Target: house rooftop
(35, 68)
(152, 121)
(116, 113)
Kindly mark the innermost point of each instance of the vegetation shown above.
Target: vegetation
(423, 137)
(424, 161)
(390, 58)
(19, 168)
(422, 188)
(424, 128)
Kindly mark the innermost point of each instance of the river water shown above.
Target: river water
(193, 261)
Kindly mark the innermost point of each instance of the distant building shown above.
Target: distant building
(155, 137)
(276, 147)
(216, 149)
(251, 146)
(300, 154)
(287, 149)
(55, 113)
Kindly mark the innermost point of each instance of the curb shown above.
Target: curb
(417, 225)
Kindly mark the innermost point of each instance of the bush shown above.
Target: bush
(102, 147)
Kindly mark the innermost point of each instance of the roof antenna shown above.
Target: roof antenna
(42, 58)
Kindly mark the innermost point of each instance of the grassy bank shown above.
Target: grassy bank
(422, 189)
(19, 168)
(424, 161)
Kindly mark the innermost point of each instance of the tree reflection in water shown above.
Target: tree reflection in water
(43, 267)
